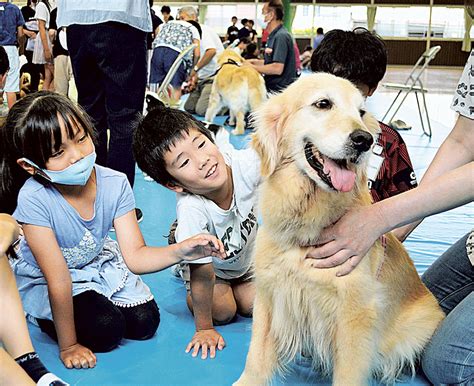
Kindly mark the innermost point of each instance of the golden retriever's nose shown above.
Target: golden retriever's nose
(361, 140)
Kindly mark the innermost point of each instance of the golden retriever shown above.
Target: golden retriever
(240, 88)
(313, 140)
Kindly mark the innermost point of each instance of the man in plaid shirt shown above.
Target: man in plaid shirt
(361, 57)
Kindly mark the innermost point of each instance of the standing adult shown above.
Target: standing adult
(202, 75)
(279, 64)
(107, 45)
(30, 29)
(232, 31)
(63, 75)
(244, 32)
(42, 52)
(11, 29)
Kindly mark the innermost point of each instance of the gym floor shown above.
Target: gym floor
(162, 360)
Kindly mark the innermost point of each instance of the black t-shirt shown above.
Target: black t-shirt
(58, 49)
(232, 33)
(28, 13)
(155, 21)
(244, 33)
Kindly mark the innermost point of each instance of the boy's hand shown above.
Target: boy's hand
(78, 356)
(204, 340)
(200, 246)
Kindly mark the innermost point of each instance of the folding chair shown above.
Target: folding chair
(162, 92)
(413, 84)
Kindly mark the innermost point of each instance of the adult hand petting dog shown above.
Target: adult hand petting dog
(339, 244)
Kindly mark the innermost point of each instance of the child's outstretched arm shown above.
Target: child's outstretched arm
(202, 294)
(143, 259)
(45, 248)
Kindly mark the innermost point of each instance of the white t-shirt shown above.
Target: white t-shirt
(42, 13)
(235, 227)
(463, 101)
(210, 39)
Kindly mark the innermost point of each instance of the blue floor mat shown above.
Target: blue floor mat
(162, 360)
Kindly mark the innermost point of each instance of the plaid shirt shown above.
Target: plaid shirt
(395, 174)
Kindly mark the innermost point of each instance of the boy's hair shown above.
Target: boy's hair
(277, 7)
(161, 128)
(165, 9)
(31, 127)
(4, 63)
(359, 56)
(244, 21)
(320, 31)
(234, 18)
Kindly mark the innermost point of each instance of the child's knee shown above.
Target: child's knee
(142, 321)
(224, 314)
(105, 333)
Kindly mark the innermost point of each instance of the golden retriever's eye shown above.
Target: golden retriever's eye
(362, 113)
(323, 104)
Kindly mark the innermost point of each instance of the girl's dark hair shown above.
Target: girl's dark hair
(32, 130)
(359, 56)
(161, 128)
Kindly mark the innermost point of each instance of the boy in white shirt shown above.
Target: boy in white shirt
(217, 194)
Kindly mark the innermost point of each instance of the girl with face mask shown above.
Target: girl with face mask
(74, 280)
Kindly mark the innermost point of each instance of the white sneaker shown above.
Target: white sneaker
(50, 379)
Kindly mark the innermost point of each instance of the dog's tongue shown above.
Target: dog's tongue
(342, 179)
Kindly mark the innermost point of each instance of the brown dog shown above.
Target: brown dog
(236, 86)
(313, 140)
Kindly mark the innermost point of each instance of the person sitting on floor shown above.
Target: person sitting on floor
(75, 282)
(27, 368)
(216, 194)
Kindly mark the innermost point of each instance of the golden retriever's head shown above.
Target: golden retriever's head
(227, 54)
(319, 124)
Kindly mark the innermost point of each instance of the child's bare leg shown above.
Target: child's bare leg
(224, 306)
(244, 294)
(13, 330)
(12, 373)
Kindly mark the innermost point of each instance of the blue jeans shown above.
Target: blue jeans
(449, 357)
(109, 65)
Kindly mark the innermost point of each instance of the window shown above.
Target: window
(219, 16)
(401, 21)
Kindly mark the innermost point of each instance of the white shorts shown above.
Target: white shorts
(12, 83)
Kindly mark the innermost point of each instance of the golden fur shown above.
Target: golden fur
(374, 321)
(240, 88)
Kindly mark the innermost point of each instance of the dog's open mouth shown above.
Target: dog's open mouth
(334, 173)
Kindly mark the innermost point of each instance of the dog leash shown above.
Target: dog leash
(229, 61)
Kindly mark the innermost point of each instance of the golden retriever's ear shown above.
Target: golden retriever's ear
(267, 135)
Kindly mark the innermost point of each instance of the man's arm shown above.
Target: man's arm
(270, 69)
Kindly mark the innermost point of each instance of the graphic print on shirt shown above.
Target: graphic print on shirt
(246, 229)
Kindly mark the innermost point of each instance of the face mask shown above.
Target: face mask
(263, 23)
(76, 174)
